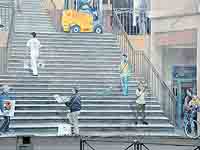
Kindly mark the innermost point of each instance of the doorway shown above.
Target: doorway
(184, 77)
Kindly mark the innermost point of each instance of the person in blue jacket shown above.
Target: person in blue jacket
(74, 105)
(4, 96)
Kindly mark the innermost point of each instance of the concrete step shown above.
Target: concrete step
(66, 54)
(31, 12)
(87, 119)
(61, 83)
(71, 44)
(84, 107)
(90, 102)
(24, 16)
(91, 113)
(89, 91)
(90, 71)
(35, 28)
(67, 47)
(68, 35)
(65, 61)
(70, 73)
(94, 127)
(53, 42)
(62, 57)
(62, 79)
(62, 40)
(73, 50)
(38, 94)
(68, 65)
(24, 19)
(30, 27)
(83, 97)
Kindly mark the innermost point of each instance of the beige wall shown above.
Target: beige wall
(48, 5)
(140, 43)
(59, 4)
(171, 7)
(176, 23)
(3, 39)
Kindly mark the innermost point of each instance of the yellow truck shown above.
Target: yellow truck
(75, 22)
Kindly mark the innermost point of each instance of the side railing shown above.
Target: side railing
(7, 13)
(53, 12)
(142, 66)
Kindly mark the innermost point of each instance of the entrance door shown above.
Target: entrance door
(184, 77)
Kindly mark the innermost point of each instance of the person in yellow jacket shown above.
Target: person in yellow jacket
(125, 72)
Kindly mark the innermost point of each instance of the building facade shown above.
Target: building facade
(175, 49)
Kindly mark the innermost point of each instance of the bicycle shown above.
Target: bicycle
(192, 127)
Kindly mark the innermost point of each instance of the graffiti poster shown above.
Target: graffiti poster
(7, 107)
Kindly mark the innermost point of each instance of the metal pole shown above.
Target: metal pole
(81, 144)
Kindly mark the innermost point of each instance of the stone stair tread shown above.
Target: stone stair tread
(86, 97)
(91, 105)
(85, 100)
(91, 125)
(86, 117)
(90, 111)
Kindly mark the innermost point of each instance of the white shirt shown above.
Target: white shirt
(141, 99)
(34, 45)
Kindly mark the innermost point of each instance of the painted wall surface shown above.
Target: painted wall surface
(3, 39)
(176, 56)
(171, 7)
(140, 43)
(174, 23)
(59, 4)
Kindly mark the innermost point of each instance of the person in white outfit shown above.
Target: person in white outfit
(34, 45)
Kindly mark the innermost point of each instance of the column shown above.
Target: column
(66, 5)
(198, 62)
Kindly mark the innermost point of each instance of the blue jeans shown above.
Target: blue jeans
(5, 125)
(124, 84)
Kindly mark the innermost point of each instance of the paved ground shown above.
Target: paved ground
(69, 143)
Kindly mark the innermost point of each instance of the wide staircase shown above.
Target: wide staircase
(89, 61)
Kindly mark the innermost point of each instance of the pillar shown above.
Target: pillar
(66, 4)
(198, 62)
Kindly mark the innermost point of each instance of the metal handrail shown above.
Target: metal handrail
(52, 10)
(127, 47)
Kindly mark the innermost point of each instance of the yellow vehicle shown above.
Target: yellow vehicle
(73, 21)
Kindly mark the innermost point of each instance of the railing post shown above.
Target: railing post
(81, 144)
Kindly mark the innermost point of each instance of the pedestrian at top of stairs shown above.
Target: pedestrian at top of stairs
(34, 45)
(140, 102)
(74, 105)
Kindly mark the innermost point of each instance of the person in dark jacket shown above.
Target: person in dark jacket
(74, 105)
